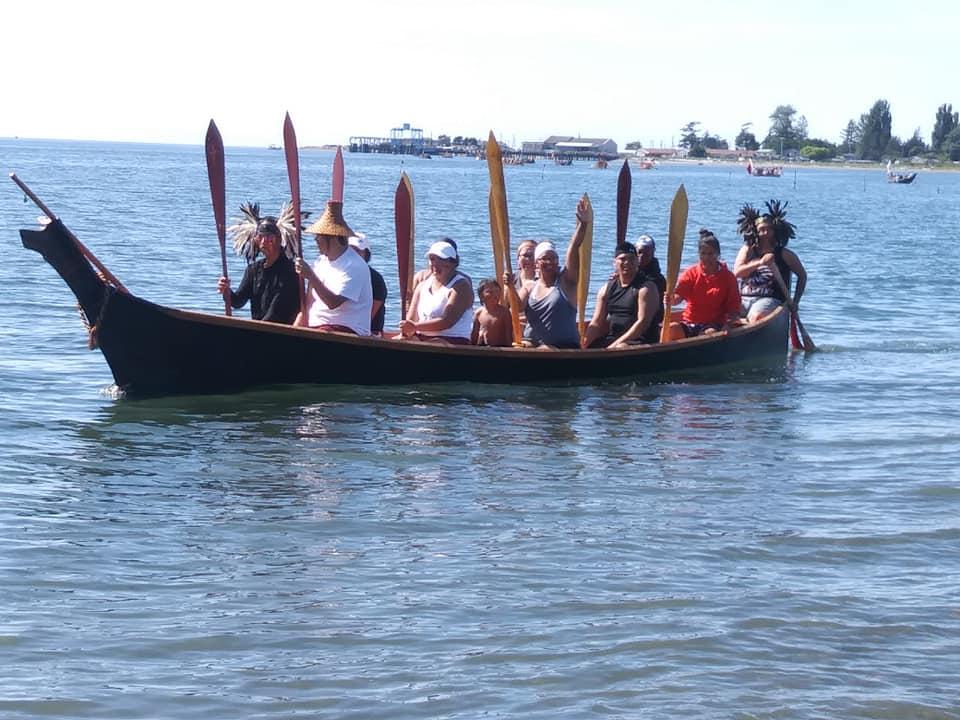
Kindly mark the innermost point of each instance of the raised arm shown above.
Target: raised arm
(571, 270)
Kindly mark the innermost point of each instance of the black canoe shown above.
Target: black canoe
(155, 350)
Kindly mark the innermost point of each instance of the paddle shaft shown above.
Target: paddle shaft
(338, 176)
(91, 258)
(500, 224)
(216, 172)
(807, 344)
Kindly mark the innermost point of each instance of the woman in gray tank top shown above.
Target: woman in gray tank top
(549, 301)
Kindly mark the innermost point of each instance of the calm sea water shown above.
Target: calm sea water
(783, 547)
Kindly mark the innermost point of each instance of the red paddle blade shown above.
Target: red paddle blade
(338, 176)
(624, 186)
(217, 173)
(293, 174)
(403, 221)
(794, 338)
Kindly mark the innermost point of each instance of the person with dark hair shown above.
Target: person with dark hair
(710, 291)
(441, 304)
(629, 307)
(340, 293)
(361, 246)
(269, 283)
(491, 322)
(549, 300)
(762, 258)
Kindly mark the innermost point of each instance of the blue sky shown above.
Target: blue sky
(526, 69)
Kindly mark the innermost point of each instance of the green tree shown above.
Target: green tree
(875, 132)
(690, 135)
(815, 152)
(698, 151)
(944, 124)
(914, 146)
(714, 142)
(634, 145)
(785, 133)
(746, 140)
(443, 140)
(951, 144)
(849, 138)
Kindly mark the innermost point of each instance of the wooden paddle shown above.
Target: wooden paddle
(403, 210)
(497, 245)
(293, 174)
(91, 258)
(807, 344)
(500, 224)
(218, 195)
(678, 228)
(583, 279)
(338, 176)
(624, 185)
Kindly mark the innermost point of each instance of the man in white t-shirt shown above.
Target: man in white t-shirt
(339, 297)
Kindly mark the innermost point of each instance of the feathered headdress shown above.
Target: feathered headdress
(244, 230)
(747, 223)
(783, 231)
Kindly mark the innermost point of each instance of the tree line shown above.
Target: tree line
(868, 138)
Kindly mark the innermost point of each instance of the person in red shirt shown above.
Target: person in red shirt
(710, 291)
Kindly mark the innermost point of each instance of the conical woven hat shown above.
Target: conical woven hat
(331, 222)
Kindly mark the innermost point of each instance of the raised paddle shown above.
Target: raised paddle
(218, 195)
(91, 258)
(500, 224)
(678, 228)
(403, 213)
(338, 176)
(624, 185)
(293, 174)
(497, 245)
(583, 279)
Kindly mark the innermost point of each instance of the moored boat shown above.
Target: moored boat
(155, 350)
(899, 178)
(764, 170)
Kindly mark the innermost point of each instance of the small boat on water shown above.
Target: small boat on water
(600, 164)
(154, 350)
(764, 170)
(899, 178)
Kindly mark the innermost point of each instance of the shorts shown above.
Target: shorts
(694, 329)
(754, 307)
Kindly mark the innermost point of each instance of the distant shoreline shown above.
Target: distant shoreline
(787, 165)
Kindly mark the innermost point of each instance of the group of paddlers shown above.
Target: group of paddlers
(344, 294)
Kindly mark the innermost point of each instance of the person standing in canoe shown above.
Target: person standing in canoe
(339, 291)
(763, 254)
(269, 283)
(710, 291)
(549, 301)
(629, 308)
(361, 246)
(441, 308)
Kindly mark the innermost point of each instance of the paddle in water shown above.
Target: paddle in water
(403, 214)
(500, 224)
(678, 228)
(216, 171)
(293, 174)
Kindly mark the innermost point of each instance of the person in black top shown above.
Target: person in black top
(629, 308)
(377, 313)
(269, 283)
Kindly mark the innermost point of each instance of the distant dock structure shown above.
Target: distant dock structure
(407, 140)
(403, 140)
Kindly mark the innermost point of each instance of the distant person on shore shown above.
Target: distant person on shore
(340, 295)
(378, 310)
(441, 307)
(491, 322)
(629, 307)
(270, 283)
(549, 301)
(764, 266)
(710, 291)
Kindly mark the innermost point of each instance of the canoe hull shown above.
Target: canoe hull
(154, 350)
